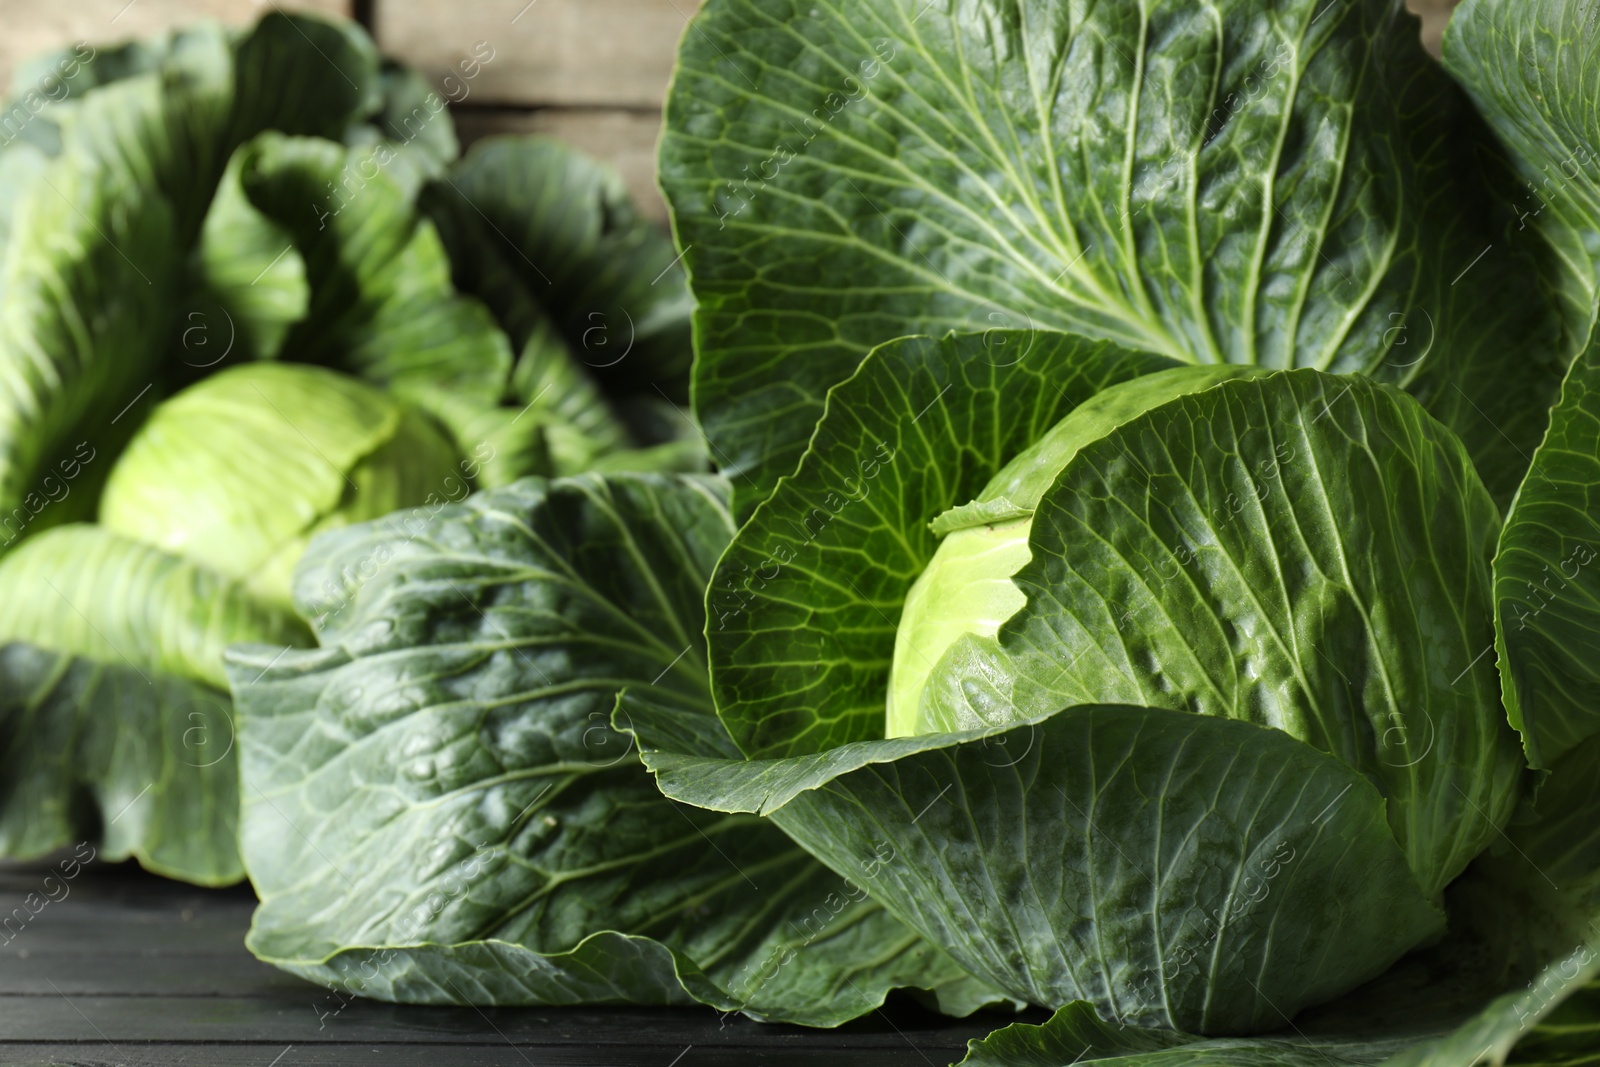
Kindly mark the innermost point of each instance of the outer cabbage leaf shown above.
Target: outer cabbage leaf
(1075, 1034)
(1547, 578)
(249, 262)
(169, 110)
(414, 125)
(87, 281)
(1553, 1022)
(275, 75)
(84, 66)
(1290, 185)
(161, 129)
(20, 164)
(119, 730)
(88, 591)
(1535, 70)
(1515, 982)
(560, 396)
(1534, 897)
(124, 763)
(537, 230)
(589, 291)
(436, 808)
(247, 269)
(1174, 870)
(382, 306)
(245, 273)
(1533, 901)
(169, 123)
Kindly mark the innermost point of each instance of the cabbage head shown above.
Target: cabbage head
(238, 472)
(112, 634)
(1163, 691)
(250, 291)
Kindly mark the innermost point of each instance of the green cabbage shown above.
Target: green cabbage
(249, 295)
(1152, 577)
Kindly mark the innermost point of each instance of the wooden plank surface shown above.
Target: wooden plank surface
(1435, 15)
(591, 72)
(131, 969)
(615, 53)
(248, 1054)
(316, 1017)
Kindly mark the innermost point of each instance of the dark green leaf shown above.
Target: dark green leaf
(1535, 69)
(134, 765)
(437, 809)
(537, 230)
(1554, 1022)
(1283, 184)
(89, 276)
(1075, 1035)
(1074, 1032)
(414, 125)
(1529, 911)
(1174, 870)
(382, 306)
(1547, 578)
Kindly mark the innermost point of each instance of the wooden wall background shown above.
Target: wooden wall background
(592, 72)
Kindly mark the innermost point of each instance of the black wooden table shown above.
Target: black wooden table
(129, 969)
